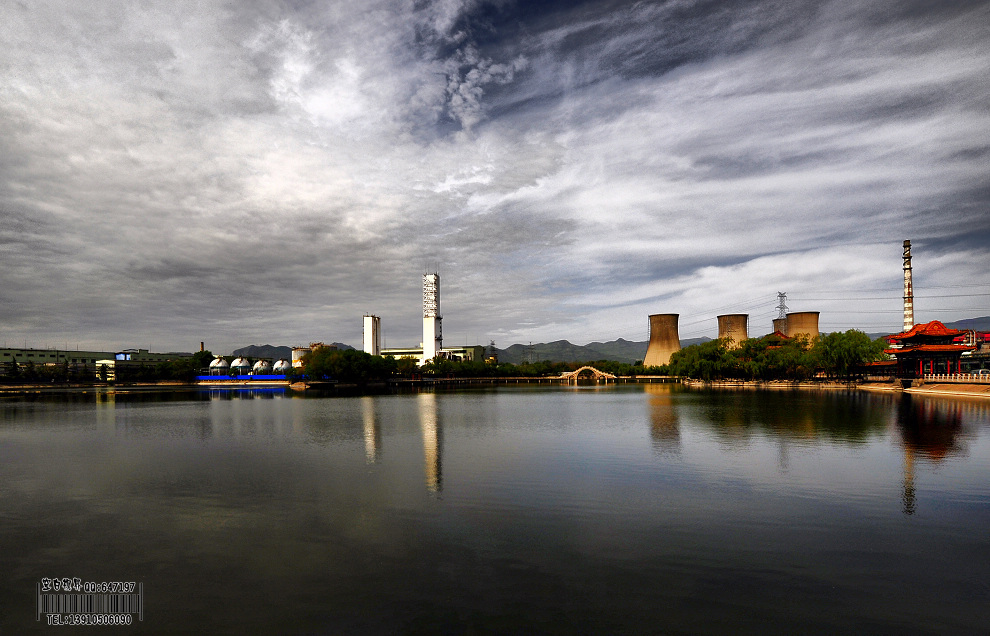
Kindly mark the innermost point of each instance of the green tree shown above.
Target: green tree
(349, 366)
(840, 353)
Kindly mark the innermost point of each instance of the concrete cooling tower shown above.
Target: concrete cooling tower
(734, 327)
(663, 339)
(780, 324)
(802, 323)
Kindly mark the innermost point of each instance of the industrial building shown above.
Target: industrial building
(432, 344)
(51, 356)
(664, 340)
(132, 359)
(372, 335)
(468, 353)
(432, 320)
(802, 323)
(734, 328)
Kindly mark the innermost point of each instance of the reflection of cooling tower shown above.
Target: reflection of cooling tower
(663, 339)
(802, 323)
(780, 324)
(733, 326)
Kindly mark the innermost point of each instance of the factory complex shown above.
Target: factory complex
(919, 349)
(929, 348)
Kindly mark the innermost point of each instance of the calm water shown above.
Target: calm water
(637, 509)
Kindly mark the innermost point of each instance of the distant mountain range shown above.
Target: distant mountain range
(976, 324)
(563, 351)
(272, 352)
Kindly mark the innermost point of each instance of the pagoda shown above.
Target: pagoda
(928, 348)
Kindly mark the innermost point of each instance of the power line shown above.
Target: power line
(895, 297)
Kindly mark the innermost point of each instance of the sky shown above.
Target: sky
(268, 172)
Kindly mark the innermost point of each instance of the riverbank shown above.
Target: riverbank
(771, 385)
(967, 390)
(941, 389)
(53, 388)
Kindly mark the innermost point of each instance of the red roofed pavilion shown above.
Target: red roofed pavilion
(928, 348)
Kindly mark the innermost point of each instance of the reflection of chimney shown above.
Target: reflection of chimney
(908, 289)
(908, 497)
(432, 442)
(372, 432)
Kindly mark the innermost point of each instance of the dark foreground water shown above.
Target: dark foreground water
(637, 509)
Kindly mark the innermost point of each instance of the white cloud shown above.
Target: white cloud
(174, 173)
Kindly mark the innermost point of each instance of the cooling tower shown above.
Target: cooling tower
(802, 323)
(780, 324)
(663, 339)
(733, 326)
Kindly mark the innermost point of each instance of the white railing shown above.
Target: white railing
(981, 378)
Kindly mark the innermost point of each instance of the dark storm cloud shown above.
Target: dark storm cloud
(174, 172)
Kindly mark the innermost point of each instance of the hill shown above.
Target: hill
(272, 352)
(977, 324)
(620, 350)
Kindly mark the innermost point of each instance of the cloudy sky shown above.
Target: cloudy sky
(268, 172)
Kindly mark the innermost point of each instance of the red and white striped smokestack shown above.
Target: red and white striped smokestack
(908, 289)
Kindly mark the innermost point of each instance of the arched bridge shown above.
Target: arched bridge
(595, 373)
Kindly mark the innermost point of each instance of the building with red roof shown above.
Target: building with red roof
(928, 348)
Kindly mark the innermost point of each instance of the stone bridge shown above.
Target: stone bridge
(595, 373)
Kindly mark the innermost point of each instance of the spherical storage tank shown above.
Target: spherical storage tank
(219, 365)
(663, 339)
(261, 367)
(282, 366)
(241, 366)
(733, 327)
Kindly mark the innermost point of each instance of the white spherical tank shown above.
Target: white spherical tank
(262, 366)
(219, 364)
(282, 366)
(241, 365)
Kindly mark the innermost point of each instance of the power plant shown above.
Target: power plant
(733, 327)
(432, 320)
(664, 340)
(802, 323)
(372, 335)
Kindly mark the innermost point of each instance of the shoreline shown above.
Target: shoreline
(934, 388)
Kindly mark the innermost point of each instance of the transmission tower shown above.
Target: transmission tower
(782, 307)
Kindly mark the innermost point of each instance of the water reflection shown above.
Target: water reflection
(432, 430)
(664, 423)
(847, 416)
(930, 430)
(106, 413)
(372, 430)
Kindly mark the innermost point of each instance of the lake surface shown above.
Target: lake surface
(589, 509)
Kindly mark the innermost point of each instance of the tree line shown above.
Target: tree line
(833, 356)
